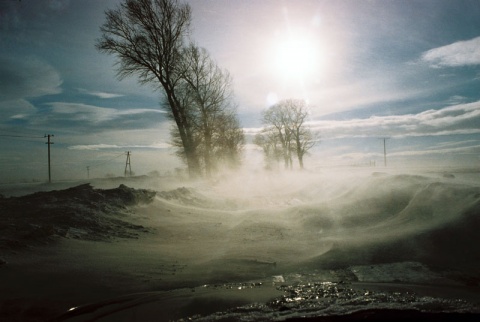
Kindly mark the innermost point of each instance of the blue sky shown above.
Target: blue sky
(407, 70)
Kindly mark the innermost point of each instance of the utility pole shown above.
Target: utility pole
(88, 172)
(385, 151)
(48, 136)
(127, 164)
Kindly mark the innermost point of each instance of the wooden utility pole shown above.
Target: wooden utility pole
(88, 172)
(48, 136)
(385, 151)
(127, 164)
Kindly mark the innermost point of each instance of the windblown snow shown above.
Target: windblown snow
(154, 234)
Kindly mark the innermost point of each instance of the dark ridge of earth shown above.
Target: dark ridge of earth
(392, 316)
(80, 212)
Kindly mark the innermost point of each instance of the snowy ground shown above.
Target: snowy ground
(352, 236)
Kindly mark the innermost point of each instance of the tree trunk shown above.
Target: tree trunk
(300, 151)
(185, 132)
(300, 160)
(207, 155)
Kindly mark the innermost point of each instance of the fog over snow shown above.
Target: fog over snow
(247, 247)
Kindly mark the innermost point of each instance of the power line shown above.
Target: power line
(21, 136)
(106, 161)
(89, 167)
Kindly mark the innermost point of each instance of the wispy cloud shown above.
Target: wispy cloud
(456, 99)
(455, 143)
(104, 95)
(473, 149)
(96, 147)
(458, 119)
(357, 95)
(27, 77)
(461, 53)
(345, 152)
(85, 114)
(16, 108)
(81, 112)
(333, 98)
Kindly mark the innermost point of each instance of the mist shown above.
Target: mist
(274, 228)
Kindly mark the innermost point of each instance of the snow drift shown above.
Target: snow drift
(80, 212)
(291, 231)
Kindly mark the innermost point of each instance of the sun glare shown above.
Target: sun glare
(296, 57)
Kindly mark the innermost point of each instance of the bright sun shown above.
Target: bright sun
(296, 58)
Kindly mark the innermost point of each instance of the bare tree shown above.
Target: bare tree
(147, 37)
(285, 125)
(271, 146)
(276, 121)
(228, 139)
(208, 96)
(303, 138)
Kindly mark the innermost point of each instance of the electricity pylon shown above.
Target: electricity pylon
(128, 165)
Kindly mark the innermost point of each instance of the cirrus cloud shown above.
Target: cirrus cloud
(98, 94)
(86, 117)
(27, 77)
(460, 53)
(457, 119)
(97, 147)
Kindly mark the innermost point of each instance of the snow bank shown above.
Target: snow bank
(400, 218)
(81, 212)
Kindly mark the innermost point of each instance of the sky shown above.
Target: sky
(408, 71)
